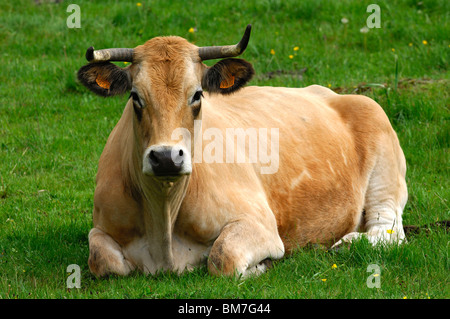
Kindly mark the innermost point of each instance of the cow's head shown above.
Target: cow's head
(166, 81)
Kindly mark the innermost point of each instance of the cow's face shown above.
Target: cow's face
(166, 82)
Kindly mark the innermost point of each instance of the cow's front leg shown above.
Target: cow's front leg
(245, 247)
(105, 255)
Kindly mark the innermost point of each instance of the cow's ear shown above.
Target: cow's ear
(227, 76)
(105, 78)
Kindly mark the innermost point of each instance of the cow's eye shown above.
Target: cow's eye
(197, 96)
(196, 103)
(136, 100)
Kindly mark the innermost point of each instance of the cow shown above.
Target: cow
(338, 169)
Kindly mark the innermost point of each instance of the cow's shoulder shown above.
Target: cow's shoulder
(319, 91)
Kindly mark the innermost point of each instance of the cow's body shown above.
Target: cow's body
(338, 157)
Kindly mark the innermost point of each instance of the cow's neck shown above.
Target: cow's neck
(162, 201)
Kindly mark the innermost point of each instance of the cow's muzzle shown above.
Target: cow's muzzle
(166, 161)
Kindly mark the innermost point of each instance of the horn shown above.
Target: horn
(226, 51)
(120, 54)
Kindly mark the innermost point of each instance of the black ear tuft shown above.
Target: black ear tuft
(105, 78)
(227, 76)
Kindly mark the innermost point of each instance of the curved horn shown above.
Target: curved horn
(120, 54)
(226, 51)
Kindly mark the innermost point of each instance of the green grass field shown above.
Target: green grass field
(52, 132)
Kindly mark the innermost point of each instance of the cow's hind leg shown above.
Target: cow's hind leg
(385, 200)
(105, 255)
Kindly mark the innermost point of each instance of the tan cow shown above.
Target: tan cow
(337, 166)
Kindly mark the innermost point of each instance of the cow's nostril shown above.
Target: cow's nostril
(166, 160)
(153, 158)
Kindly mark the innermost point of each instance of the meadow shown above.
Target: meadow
(52, 132)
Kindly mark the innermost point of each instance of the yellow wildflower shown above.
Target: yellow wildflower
(334, 266)
(324, 279)
(410, 44)
(425, 42)
(404, 297)
(296, 48)
(272, 51)
(329, 85)
(139, 4)
(191, 30)
(393, 50)
(390, 231)
(291, 56)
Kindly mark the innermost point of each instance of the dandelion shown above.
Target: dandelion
(344, 21)
(139, 4)
(364, 30)
(291, 56)
(390, 231)
(404, 297)
(191, 30)
(324, 279)
(125, 62)
(393, 50)
(329, 85)
(334, 266)
(410, 44)
(272, 51)
(425, 42)
(296, 48)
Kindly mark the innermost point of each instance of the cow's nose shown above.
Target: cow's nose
(166, 160)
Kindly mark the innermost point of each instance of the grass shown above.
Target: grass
(52, 131)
